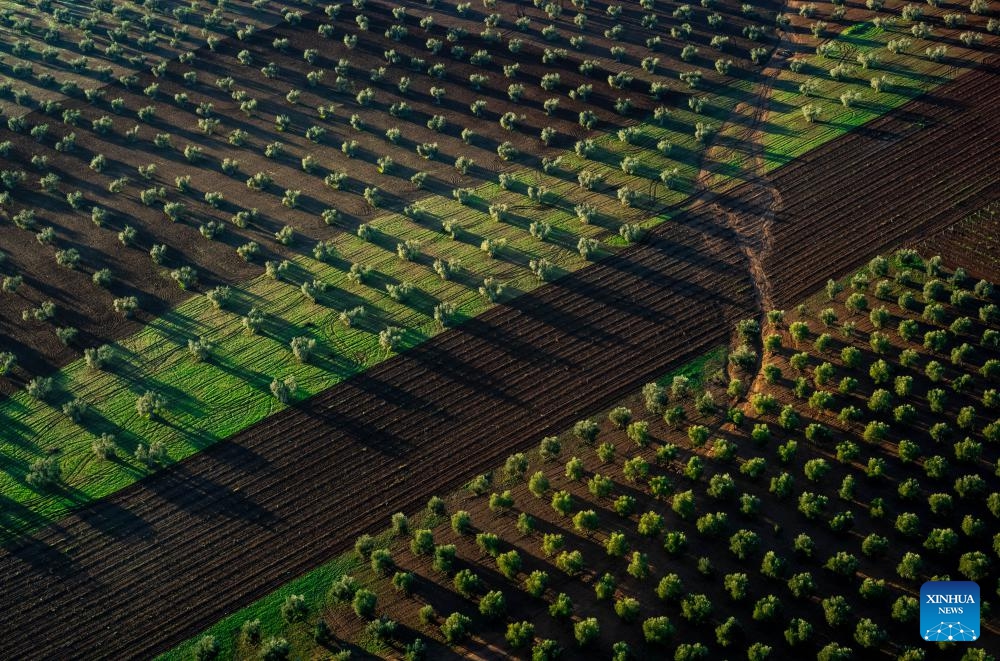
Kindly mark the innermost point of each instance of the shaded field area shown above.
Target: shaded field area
(901, 177)
(185, 547)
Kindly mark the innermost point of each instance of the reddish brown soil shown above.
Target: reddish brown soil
(184, 547)
(82, 305)
(903, 176)
(437, 590)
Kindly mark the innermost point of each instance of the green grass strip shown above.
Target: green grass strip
(787, 134)
(699, 370)
(312, 586)
(211, 400)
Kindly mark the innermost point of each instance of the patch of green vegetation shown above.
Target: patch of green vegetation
(860, 31)
(698, 370)
(206, 401)
(312, 586)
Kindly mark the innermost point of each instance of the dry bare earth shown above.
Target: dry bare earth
(176, 552)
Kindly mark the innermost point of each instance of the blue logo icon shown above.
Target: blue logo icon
(949, 611)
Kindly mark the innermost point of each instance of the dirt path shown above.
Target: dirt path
(750, 224)
(752, 221)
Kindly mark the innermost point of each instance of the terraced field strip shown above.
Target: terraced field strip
(279, 499)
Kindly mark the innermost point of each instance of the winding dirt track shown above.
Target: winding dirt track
(156, 563)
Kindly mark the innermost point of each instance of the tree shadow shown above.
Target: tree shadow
(110, 519)
(15, 518)
(42, 558)
(360, 431)
(207, 499)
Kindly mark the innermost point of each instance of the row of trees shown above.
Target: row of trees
(124, 34)
(839, 62)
